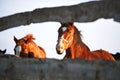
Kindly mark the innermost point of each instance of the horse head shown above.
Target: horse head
(65, 37)
(26, 47)
(22, 45)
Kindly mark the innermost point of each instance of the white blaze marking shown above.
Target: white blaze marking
(17, 50)
(64, 29)
(61, 46)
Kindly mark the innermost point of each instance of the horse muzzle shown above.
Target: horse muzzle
(58, 52)
(59, 49)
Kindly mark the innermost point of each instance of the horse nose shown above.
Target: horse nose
(59, 49)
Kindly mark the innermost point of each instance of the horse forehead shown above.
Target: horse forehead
(64, 29)
(21, 43)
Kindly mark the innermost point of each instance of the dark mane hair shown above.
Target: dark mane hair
(77, 36)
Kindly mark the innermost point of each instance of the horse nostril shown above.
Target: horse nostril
(59, 51)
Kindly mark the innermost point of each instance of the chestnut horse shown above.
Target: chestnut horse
(26, 47)
(69, 39)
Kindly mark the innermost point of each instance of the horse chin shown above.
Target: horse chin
(59, 53)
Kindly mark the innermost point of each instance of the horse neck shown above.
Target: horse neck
(77, 42)
(37, 50)
(78, 47)
(32, 47)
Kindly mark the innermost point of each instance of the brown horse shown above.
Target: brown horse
(69, 39)
(2, 51)
(26, 47)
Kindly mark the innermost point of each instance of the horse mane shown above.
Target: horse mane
(29, 37)
(78, 39)
(77, 35)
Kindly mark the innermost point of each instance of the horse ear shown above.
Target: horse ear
(61, 23)
(71, 23)
(68, 23)
(4, 51)
(15, 39)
